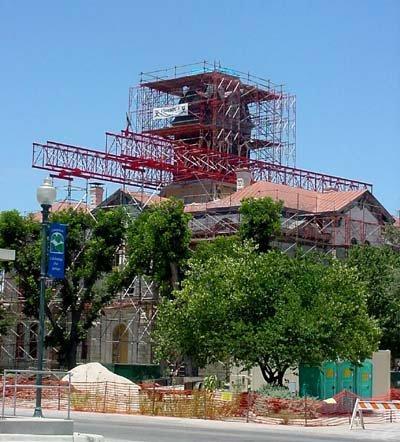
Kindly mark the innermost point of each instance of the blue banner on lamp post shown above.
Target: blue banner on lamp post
(57, 240)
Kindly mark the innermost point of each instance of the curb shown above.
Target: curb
(34, 438)
(79, 437)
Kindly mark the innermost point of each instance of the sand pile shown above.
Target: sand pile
(97, 382)
(95, 372)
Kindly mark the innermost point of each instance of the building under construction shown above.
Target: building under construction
(209, 136)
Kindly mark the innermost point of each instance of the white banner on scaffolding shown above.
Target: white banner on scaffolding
(179, 110)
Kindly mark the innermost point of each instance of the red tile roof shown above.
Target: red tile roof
(293, 198)
(146, 198)
(62, 205)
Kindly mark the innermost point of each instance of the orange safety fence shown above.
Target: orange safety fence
(151, 399)
(112, 397)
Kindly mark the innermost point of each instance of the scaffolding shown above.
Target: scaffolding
(125, 323)
(311, 221)
(192, 123)
(228, 111)
(202, 123)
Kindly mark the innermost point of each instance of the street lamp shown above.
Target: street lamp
(46, 195)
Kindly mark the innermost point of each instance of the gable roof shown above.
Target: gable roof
(123, 197)
(146, 198)
(301, 200)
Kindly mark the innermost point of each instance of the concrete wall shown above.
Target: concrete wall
(198, 191)
(102, 345)
(360, 224)
(381, 373)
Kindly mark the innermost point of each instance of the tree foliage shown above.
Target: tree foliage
(17, 233)
(158, 245)
(378, 269)
(267, 309)
(260, 220)
(89, 259)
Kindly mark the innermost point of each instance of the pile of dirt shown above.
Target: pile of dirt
(95, 388)
(94, 372)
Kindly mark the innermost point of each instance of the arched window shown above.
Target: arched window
(120, 344)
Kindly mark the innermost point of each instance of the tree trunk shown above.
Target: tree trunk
(271, 375)
(279, 377)
(70, 357)
(174, 275)
(73, 341)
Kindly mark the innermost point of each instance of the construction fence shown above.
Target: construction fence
(151, 399)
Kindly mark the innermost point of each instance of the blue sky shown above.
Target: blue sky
(66, 67)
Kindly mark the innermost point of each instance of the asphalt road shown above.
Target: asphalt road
(165, 432)
(117, 428)
(131, 428)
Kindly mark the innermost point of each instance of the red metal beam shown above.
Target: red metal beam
(72, 161)
(139, 159)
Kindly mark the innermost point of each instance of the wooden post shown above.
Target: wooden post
(105, 397)
(15, 392)
(248, 405)
(59, 396)
(154, 398)
(305, 407)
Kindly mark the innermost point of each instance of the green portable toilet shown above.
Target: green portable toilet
(319, 382)
(309, 381)
(346, 377)
(364, 379)
(329, 379)
(334, 377)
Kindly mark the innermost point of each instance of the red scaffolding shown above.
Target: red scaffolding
(196, 122)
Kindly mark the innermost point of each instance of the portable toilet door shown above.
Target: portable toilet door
(329, 379)
(346, 377)
(310, 381)
(364, 374)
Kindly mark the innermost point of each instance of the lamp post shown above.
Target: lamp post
(46, 195)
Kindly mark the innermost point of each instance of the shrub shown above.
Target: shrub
(276, 392)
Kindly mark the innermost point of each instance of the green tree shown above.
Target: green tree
(158, 246)
(260, 221)
(15, 233)
(267, 309)
(74, 303)
(7, 319)
(378, 269)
